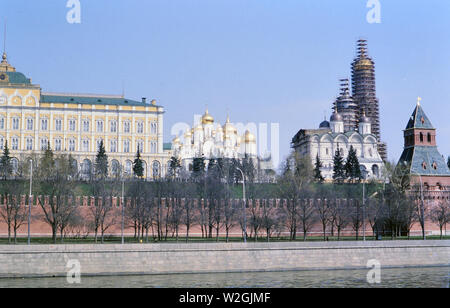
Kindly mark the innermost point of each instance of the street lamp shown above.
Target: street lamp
(29, 201)
(364, 175)
(123, 206)
(244, 205)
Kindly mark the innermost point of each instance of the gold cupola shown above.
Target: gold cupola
(207, 118)
(249, 137)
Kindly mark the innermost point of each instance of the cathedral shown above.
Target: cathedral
(354, 122)
(211, 140)
(332, 136)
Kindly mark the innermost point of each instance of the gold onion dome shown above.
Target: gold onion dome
(363, 63)
(228, 127)
(176, 140)
(207, 118)
(249, 137)
(188, 133)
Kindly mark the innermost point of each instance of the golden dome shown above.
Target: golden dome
(188, 133)
(249, 137)
(176, 140)
(207, 118)
(228, 127)
(363, 63)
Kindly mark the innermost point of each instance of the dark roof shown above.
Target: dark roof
(419, 119)
(92, 100)
(417, 155)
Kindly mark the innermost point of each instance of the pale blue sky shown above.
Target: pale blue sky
(263, 60)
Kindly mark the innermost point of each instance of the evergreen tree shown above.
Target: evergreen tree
(138, 167)
(101, 162)
(47, 164)
(198, 166)
(317, 173)
(338, 167)
(174, 166)
(5, 162)
(352, 168)
(448, 162)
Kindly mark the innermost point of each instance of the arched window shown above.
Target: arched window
(429, 137)
(14, 165)
(128, 167)
(421, 137)
(156, 169)
(375, 171)
(115, 167)
(86, 167)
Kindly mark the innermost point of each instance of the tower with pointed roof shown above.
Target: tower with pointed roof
(421, 154)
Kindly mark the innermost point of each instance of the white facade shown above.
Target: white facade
(330, 137)
(211, 140)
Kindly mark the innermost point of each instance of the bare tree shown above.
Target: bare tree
(56, 186)
(440, 214)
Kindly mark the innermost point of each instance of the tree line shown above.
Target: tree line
(389, 209)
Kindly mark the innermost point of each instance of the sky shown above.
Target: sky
(260, 61)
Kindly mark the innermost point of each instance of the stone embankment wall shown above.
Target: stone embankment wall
(52, 260)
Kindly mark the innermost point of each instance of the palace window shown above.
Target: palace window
(72, 125)
(86, 125)
(30, 124)
(15, 123)
(2, 123)
(152, 147)
(1, 142)
(44, 144)
(44, 124)
(128, 167)
(153, 128)
(99, 142)
(29, 144)
(15, 143)
(58, 124)
(126, 146)
(113, 147)
(140, 146)
(113, 126)
(126, 127)
(86, 145)
(58, 144)
(140, 127)
(99, 126)
(72, 145)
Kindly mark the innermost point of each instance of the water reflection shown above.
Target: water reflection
(434, 277)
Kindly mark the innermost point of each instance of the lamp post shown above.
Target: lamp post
(29, 202)
(364, 175)
(244, 205)
(123, 207)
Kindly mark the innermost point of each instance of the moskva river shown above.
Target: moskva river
(431, 277)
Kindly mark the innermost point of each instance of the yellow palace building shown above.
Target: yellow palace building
(77, 123)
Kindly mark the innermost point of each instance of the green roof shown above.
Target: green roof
(92, 100)
(167, 146)
(418, 155)
(17, 78)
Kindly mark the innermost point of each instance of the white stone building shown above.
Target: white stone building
(330, 137)
(211, 140)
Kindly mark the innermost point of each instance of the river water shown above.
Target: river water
(431, 277)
